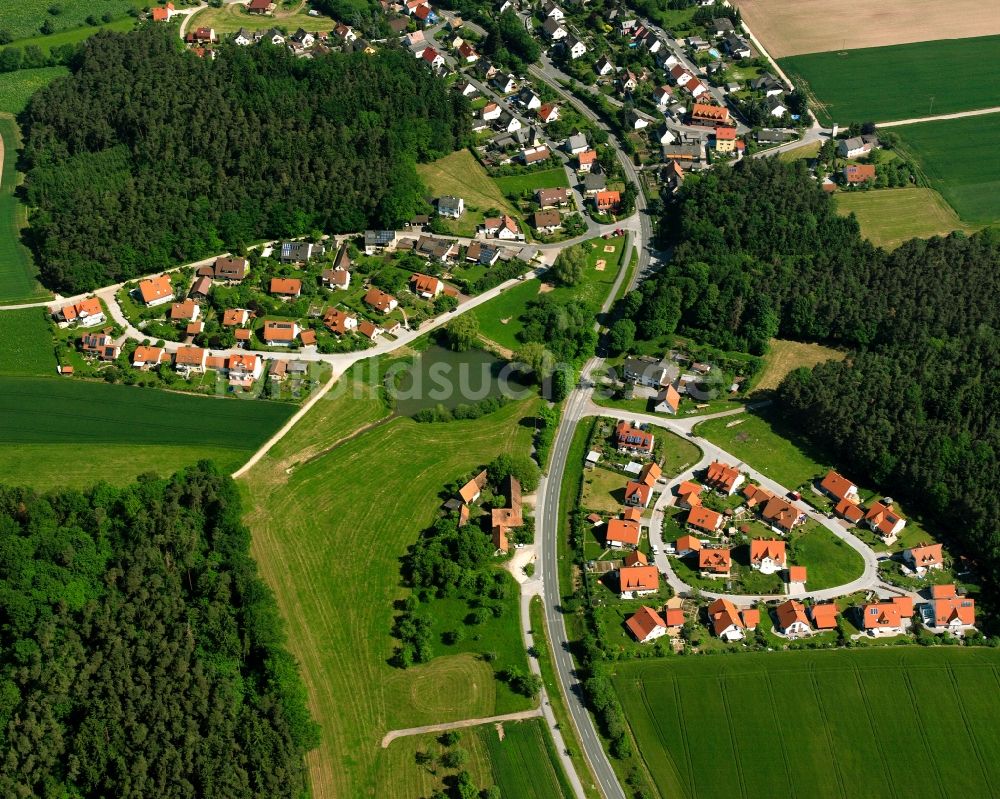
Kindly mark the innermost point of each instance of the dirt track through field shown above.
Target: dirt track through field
(458, 725)
(816, 26)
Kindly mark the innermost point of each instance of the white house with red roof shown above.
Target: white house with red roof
(792, 621)
(646, 625)
(948, 611)
(924, 558)
(85, 313)
(891, 617)
(884, 521)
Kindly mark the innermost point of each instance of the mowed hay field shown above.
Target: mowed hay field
(906, 81)
(231, 17)
(461, 175)
(329, 531)
(958, 158)
(62, 432)
(786, 356)
(18, 275)
(888, 217)
(889, 722)
(814, 26)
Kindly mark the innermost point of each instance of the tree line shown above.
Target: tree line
(759, 252)
(146, 155)
(140, 653)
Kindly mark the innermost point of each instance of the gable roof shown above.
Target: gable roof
(635, 489)
(851, 511)
(145, 354)
(638, 578)
(643, 622)
(689, 542)
(190, 356)
(284, 285)
(624, 531)
(722, 475)
(797, 574)
(881, 615)
(471, 490)
(723, 615)
(636, 558)
(761, 548)
(715, 560)
(379, 299)
(927, 554)
(689, 492)
(704, 518)
(824, 616)
(882, 517)
(155, 288)
(837, 485)
(790, 612)
(781, 513)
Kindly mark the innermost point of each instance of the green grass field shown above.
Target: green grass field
(904, 81)
(329, 527)
(888, 217)
(24, 18)
(499, 319)
(547, 179)
(525, 763)
(758, 440)
(27, 347)
(17, 87)
(18, 274)
(64, 432)
(230, 18)
(830, 561)
(958, 158)
(460, 174)
(75, 35)
(889, 722)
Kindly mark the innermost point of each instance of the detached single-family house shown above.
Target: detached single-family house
(285, 287)
(100, 345)
(608, 201)
(857, 146)
(546, 222)
(668, 401)
(838, 487)
(725, 140)
(235, 317)
(576, 144)
(490, 112)
(632, 439)
(585, 161)
(709, 115)
(156, 291)
(636, 581)
(646, 625)
(85, 313)
(767, 555)
(553, 30)
(185, 311)
(278, 333)
(552, 198)
(502, 227)
(781, 514)
(887, 618)
(260, 7)
(715, 562)
(529, 99)
(622, 533)
(662, 96)
(336, 278)
(552, 11)
(688, 495)
(924, 558)
(471, 491)
(339, 322)
(704, 519)
(425, 286)
(604, 66)
(574, 47)
(244, 37)
(723, 478)
(730, 623)
(145, 357)
(467, 53)
(687, 545)
(432, 58)
(378, 240)
(535, 155)
(792, 621)
(884, 521)
(548, 113)
(952, 612)
(232, 270)
(190, 359)
(294, 252)
(856, 174)
(450, 206)
(162, 13)
(380, 301)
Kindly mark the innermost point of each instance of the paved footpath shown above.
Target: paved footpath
(458, 725)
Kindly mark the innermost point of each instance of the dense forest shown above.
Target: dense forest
(147, 156)
(140, 653)
(760, 251)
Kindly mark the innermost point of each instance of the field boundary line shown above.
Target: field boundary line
(965, 718)
(978, 112)
(522, 715)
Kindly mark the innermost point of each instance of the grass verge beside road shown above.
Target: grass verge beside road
(777, 717)
(524, 761)
(557, 701)
(904, 81)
